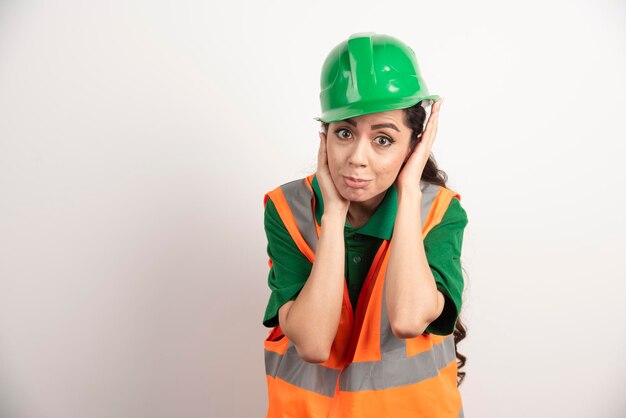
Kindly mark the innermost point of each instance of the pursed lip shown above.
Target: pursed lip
(355, 183)
(355, 179)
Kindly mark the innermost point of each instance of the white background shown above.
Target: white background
(137, 140)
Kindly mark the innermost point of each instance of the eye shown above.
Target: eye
(343, 133)
(384, 141)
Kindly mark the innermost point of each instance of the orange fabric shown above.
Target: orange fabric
(438, 209)
(286, 400)
(368, 314)
(422, 343)
(368, 343)
(276, 341)
(309, 182)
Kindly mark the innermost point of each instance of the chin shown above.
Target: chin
(356, 195)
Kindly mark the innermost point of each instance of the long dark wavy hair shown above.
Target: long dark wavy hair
(414, 118)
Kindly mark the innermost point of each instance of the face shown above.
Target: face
(365, 154)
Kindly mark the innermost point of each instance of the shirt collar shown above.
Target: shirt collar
(381, 223)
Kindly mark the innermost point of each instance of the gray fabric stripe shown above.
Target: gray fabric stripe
(429, 192)
(461, 413)
(272, 361)
(378, 375)
(292, 369)
(299, 196)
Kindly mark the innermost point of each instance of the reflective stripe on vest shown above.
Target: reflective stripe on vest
(292, 369)
(299, 197)
(376, 360)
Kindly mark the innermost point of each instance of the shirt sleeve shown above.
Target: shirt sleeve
(443, 250)
(290, 268)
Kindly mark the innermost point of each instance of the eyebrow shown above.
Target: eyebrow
(380, 125)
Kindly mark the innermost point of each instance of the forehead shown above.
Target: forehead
(393, 117)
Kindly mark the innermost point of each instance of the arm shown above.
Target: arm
(311, 321)
(413, 300)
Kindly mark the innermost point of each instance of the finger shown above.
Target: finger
(433, 119)
(434, 115)
(321, 155)
(436, 106)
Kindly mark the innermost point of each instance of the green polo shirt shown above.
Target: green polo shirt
(290, 268)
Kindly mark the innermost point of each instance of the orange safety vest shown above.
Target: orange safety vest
(370, 372)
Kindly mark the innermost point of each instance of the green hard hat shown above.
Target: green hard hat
(370, 73)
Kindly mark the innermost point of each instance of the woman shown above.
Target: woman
(365, 254)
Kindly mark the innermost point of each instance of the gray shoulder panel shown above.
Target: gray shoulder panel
(299, 198)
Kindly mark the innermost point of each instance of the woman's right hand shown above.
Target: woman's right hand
(333, 201)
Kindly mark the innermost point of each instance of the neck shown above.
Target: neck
(360, 212)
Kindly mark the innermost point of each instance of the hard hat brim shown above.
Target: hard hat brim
(364, 108)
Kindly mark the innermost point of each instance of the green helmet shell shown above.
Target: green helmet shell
(370, 73)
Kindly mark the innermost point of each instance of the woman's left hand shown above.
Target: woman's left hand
(411, 173)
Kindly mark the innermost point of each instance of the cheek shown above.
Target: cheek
(391, 166)
(333, 159)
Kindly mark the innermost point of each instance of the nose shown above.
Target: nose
(358, 156)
